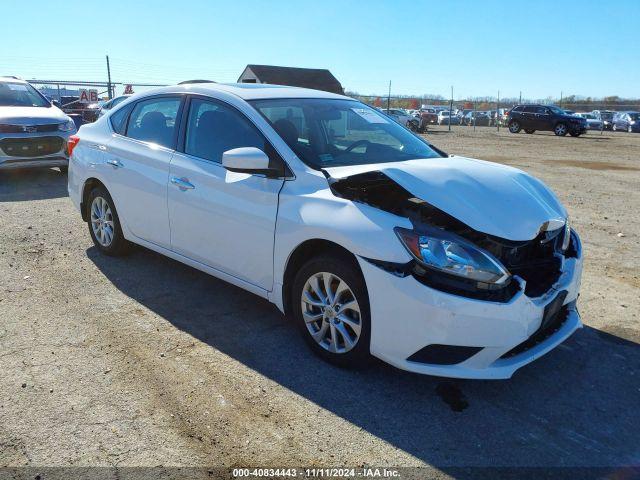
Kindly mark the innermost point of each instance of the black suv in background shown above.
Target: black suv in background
(547, 118)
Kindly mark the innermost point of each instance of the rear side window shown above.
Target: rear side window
(530, 109)
(154, 121)
(519, 108)
(214, 128)
(119, 120)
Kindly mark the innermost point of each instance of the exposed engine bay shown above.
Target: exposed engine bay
(537, 261)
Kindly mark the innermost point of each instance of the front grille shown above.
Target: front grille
(49, 127)
(534, 261)
(31, 147)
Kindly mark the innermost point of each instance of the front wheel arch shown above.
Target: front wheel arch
(303, 252)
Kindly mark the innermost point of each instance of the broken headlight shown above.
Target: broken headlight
(447, 253)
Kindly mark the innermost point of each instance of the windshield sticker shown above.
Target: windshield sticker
(325, 157)
(17, 87)
(370, 116)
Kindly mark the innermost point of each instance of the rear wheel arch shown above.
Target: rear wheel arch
(302, 253)
(89, 185)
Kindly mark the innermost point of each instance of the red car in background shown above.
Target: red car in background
(428, 116)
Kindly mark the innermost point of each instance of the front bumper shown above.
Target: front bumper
(25, 150)
(407, 316)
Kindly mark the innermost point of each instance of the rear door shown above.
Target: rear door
(219, 218)
(138, 163)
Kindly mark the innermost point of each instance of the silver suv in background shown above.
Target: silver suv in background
(33, 132)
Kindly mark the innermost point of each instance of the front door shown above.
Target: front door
(222, 219)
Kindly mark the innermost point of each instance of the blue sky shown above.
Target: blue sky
(542, 47)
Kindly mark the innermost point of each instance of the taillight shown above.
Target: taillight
(71, 144)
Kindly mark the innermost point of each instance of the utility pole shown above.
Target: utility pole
(520, 101)
(498, 112)
(108, 78)
(474, 115)
(560, 98)
(450, 107)
(389, 97)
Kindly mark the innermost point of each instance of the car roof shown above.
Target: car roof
(12, 79)
(247, 91)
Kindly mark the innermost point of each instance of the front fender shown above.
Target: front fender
(305, 214)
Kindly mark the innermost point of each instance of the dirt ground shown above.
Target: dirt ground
(142, 361)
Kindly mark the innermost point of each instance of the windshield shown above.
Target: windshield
(14, 94)
(334, 133)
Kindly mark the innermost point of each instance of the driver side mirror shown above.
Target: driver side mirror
(250, 160)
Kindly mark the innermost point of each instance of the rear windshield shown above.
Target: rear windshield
(15, 94)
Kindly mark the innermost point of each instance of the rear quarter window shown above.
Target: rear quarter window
(119, 120)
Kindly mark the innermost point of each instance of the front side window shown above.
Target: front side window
(15, 94)
(154, 121)
(213, 128)
(332, 133)
(557, 111)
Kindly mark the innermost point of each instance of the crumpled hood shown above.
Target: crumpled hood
(32, 115)
(489, 197)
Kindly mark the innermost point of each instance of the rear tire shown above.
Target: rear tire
(104, 224)
(333, 275)
(529, 131)
(560, 129)
(514, 126)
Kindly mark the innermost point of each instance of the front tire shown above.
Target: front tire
(514, 127)
(104, 224)
(561, 129)
(330, 304)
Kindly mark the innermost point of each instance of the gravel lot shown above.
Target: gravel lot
(142, 361)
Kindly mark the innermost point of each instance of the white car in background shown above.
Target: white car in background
(445, 117)
(593, 122)
(399, 115)
(33, 132)
(373, 241)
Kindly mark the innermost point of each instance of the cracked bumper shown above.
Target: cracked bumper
(407, 316)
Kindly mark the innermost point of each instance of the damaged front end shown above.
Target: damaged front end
(450, 256)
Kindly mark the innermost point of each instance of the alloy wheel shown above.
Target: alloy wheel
(331, 312)
(560, 129)
(102, 221)
(514, 127)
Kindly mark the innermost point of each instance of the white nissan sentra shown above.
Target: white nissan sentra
(373, 241)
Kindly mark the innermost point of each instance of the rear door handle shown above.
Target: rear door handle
(115, 163)
(182, 183)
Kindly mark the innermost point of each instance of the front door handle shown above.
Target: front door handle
(115, 163)
(182, 183)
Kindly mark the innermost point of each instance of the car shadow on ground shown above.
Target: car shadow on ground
(32, 184)
(576, 406)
